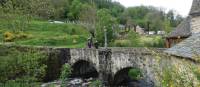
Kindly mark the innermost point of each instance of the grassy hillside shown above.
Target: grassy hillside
(41, 33)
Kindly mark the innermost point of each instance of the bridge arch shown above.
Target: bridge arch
(84, 69)
(122, 78)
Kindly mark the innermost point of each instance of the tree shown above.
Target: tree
(65, 73)
(42, 8)
(105, 20)
(155, 20)
(167, 27)
(178, 19)
(88, 16)
(117, 9)
(74, 10)
(61, 8)
(171, 17)
(16, 15)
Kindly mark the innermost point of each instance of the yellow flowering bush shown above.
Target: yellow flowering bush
(9, 37)
(21, 35)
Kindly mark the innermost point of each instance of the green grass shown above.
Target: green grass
(142, 41)
(1, 35)
(151, 41)
(41, 33)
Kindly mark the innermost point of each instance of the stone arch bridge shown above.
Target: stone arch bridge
(110, 64)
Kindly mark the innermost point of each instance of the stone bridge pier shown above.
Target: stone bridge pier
(112, 65)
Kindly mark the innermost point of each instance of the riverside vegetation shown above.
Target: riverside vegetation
(21, 68)
(25, 22)
(176, 73)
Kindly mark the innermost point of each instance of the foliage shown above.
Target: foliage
(18, 16)
(135, 74)
(172, 77)
(156, 17)
(175, 73)
(21, 66)
(167, 26)
(122, 43)
(89, 16)
(8, 37)
(96, 83)
(60, 9)
(15, 16)
(151, 41)
(105, 22)
(196, 71)
(21, 35)
(11, 37)
(134, 38)
(66, 71)
(75, 9)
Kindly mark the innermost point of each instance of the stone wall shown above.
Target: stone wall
(90, 55)
(139, 58)
(195, 24)
(56, 58)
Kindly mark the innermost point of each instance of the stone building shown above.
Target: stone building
(189, 48)
(195, 16)
(189, 30)
(186, 28)
(139, 30)
(179, 34)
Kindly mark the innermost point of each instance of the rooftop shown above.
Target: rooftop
(188, 48)
(182, 30)
(195, 9)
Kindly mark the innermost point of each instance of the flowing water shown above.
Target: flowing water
(71, 82)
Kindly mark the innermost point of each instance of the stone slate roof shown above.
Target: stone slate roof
(182, 30)
(195, 9)
(187, 48)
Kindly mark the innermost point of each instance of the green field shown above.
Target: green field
(42, 33)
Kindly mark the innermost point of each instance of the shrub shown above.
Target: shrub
(135, 74)
(66, 71)
(122, 43)
(158, 41)
(73, 31)
(134, 38)
(21, 35)
(196, 71)
(22, 66)
(74, 41)
(9, 37)
(172, 72)
(96, 83)
(152, 41)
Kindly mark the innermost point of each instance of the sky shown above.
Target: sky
(182, 7)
